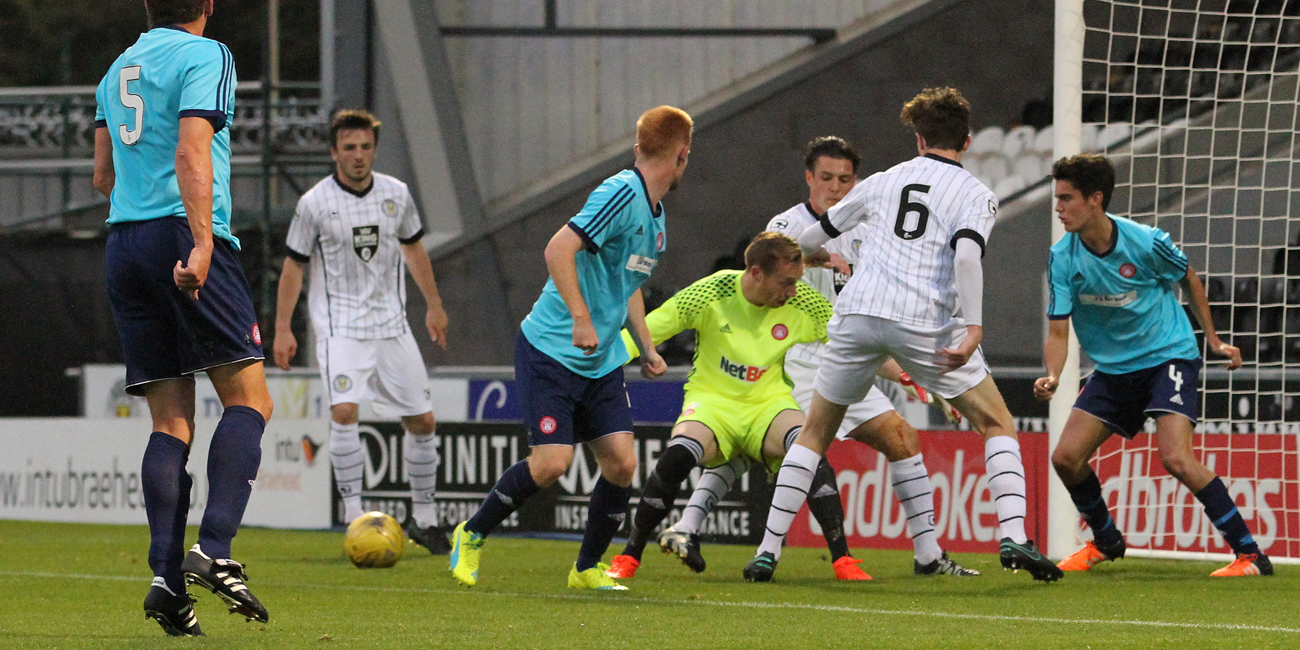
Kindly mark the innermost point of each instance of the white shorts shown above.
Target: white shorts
(388, 372)
(859, 345)
(874, 405)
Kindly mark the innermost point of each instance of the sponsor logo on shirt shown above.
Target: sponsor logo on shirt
(641, 264)
(1128, 270)
(779, 224)
(365, 241)
(743, 373)
(1101, 300)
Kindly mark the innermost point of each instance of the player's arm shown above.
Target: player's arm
(417, 261)
(194, 177)
(105, 176)
(286, 300)
(1195, 291)
(969, 278)
(1056, 348)
(560, 253)
(652, 365)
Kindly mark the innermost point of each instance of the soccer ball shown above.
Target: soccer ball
(374, 541)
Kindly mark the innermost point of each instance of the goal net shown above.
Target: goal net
(1195, 102)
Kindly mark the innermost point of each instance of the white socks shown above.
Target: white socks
(420, 455)
(911, 483)
(713, 485)
(349, 465)
(791, 491)
(1007, 483)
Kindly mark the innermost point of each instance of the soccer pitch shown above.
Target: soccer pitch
(80, 586)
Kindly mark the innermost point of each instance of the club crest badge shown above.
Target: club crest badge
(390, 207)
(1128, 270)
(365, 241)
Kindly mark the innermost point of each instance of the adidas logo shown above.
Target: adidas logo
(640, 230)
(726, 328)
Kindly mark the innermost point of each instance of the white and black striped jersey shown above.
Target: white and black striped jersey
(352, 240)
(914, 214)
(827, 282)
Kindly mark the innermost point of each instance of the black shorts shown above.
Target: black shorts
(562, 407)
(166, 334)
(1124, 402)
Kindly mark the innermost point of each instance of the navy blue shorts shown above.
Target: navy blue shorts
(562, 407)
(1124, 402)
(166, 334)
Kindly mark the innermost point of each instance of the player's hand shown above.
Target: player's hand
(954, 358)
(839, 264)
(436, 320)
(1045, 387)
(286, 346)
(1231, 351)
(913, 389)
(584, 336)
(949, 411)
(653, 366)
(191, 276)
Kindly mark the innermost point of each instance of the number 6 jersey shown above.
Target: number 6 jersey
(914, 214)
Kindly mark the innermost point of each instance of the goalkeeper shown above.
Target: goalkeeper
(1114, 278)
(738, 404)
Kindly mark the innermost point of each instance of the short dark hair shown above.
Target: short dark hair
(941, 116)
(352, 118)
(831, 147)
(173, 12)
(770, 249)
(1089, 173)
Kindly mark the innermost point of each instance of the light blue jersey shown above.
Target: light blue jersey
(1122, 301)
(624, 236)
(167, 75)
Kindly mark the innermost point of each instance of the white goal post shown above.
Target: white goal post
(1195, 101)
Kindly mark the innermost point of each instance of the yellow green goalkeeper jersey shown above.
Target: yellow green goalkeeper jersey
(739, 346)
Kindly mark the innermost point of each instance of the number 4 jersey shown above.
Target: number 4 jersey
(914, 214)
(168, 74)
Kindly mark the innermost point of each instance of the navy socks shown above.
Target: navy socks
(1087, 498)
(1223, 512)
(233, 459)
(605, 515)
(514, 487)
(166, 487)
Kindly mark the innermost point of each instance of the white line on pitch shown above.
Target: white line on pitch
(612, 598)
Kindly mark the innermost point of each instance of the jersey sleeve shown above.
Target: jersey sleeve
(784, 225)
(208, 83)
(818, 311)
(303, 232)
(101, 117)
(976, 221)
(1060, 299)
(1167, 261)
(410, 229)
(849, 212)
(605, 214)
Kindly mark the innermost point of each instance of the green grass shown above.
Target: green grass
(81, 586)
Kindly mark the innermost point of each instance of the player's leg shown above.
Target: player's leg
(402, 382)
(138, 261)
(823, 495)
(713, 485)
(163, 478)
(233, 460)
(891, 435)
(1175, 405)
(347, 367)
(1084, 433)
(692, 444)
(852, 358)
